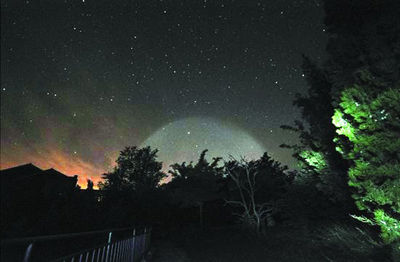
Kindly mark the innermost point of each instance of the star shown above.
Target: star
(115, 80)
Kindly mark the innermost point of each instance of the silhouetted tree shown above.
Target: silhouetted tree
(363, 35)
(316, 152)
(193, 185)
(131, 190)
(89, 185)
(136, 170)
(257, 187)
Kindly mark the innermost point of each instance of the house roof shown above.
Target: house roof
(30, 170)
(52, 172)
(21, 171)
(25, 167)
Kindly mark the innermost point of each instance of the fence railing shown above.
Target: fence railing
(124, 244)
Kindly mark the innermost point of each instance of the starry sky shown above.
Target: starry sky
(82, 79)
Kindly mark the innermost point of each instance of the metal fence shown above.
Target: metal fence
(125, 244)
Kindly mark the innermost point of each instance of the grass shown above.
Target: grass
(323, 242)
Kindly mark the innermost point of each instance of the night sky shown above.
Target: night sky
(82, 79)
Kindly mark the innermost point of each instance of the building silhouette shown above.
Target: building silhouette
(29, 193)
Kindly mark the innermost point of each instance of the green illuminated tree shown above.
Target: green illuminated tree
(316, 153)
(368, 124)
(364, 66)
(360, 90)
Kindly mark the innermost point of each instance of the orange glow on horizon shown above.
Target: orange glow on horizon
(64, 163)
(71, 165)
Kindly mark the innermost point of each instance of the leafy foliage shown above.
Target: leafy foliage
(361, 94)
(368, 122)
(364, 35)
(193, 185)
(316, 152)
(136, 170)
(197, 183)
(256, 187)
(364, 67)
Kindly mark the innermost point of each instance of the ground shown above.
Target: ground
(278, 244)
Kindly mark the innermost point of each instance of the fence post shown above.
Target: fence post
(148, 242)
(28, 252)
(108, 244)
(129, 249)
(144, 241)
(133, 244)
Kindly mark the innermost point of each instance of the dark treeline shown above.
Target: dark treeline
(202, 193)
(256, 197)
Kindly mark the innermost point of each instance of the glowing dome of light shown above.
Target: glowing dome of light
(183, 140)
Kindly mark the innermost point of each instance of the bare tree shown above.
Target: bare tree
(244, 175)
